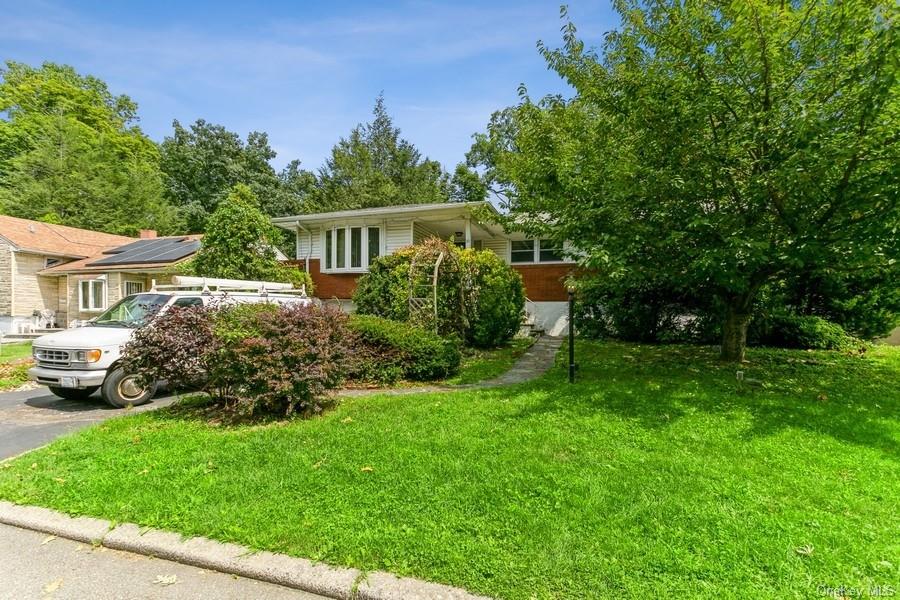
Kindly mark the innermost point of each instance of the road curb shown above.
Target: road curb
(297, 573)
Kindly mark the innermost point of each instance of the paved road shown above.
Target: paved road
(37, 566)
(36, 417)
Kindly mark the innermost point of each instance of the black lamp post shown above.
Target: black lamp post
(571, 334)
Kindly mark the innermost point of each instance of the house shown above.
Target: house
(29, 247)
(74, 274)
(337, 247)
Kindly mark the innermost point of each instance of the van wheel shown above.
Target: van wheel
(73, 393)
(121, 389)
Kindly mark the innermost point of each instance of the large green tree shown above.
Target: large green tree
(374, 166)
(204, 162)
(717, 147)
(70, 152)
(240, 243)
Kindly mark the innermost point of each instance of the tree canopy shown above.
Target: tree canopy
(71, 153)
(240, 243)
(374, 166)
(204, 162)
(716, 149)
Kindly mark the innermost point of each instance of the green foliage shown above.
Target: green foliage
(384, 290)
(203, 163)
(495, 299)
(240, 244)
(374, 166)
(715, 148)
(71, 153)
(804, 332)
(391, 349)
(480, 298)
(466, 185)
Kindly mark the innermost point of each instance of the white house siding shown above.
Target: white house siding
(397, 235)
(303, 243)
(498, 246)
(421, 232)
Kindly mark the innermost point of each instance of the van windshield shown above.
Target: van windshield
(132, 311)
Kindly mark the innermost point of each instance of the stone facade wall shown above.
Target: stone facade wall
(32, 291)
(6, 279)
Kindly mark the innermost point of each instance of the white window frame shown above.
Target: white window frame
(128, 282)
(536, 253)
(89, 307)
(364, 247)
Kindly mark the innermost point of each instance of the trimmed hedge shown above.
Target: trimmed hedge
(389, 350)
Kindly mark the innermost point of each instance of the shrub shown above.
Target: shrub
(384, 290)
(259, 358)
(495, 299)
(480, 298)
(803, 332)
(178, 346)
(387, 350)
(288, 359)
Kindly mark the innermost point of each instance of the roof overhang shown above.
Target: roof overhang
(445, 210)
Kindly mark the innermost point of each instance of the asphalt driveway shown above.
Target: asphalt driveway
(33, 418)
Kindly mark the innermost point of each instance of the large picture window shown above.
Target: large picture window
(535, 251)
(92, 295)
(351, 248)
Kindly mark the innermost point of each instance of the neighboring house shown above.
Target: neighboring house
(337, 247)
(97, 282)
(76, 273)
(29, 247)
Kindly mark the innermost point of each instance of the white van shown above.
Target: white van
(77, 362)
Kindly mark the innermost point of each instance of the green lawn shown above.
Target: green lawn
(14, 364)
(659, 474)
(481, 365)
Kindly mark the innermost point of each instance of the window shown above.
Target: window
(133, 287)
(185, 302)
(535, 251)
(374, 244)
(351, 248)
(550, 251)
(328, 248)
(92, 294)
(521, 251)
(340, 241)
(356, 247)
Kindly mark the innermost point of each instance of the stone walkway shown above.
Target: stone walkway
(536, 361)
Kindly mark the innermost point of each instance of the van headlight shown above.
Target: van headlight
(88, 356)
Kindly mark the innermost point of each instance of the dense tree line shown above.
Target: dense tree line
(72, 152)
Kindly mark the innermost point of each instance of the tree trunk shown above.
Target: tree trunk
(734, 329)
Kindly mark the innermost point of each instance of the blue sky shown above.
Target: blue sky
(306, 72)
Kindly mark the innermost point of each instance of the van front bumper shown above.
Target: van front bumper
(66, 378)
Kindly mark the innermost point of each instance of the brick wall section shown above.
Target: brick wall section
(5, 280)
(545, 283)
(32, 291)
(328, 285)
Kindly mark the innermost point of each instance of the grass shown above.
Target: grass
(15, 351)
(658, 474)
(481, 365)
(14, 362)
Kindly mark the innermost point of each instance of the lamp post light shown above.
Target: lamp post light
(571, 334)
